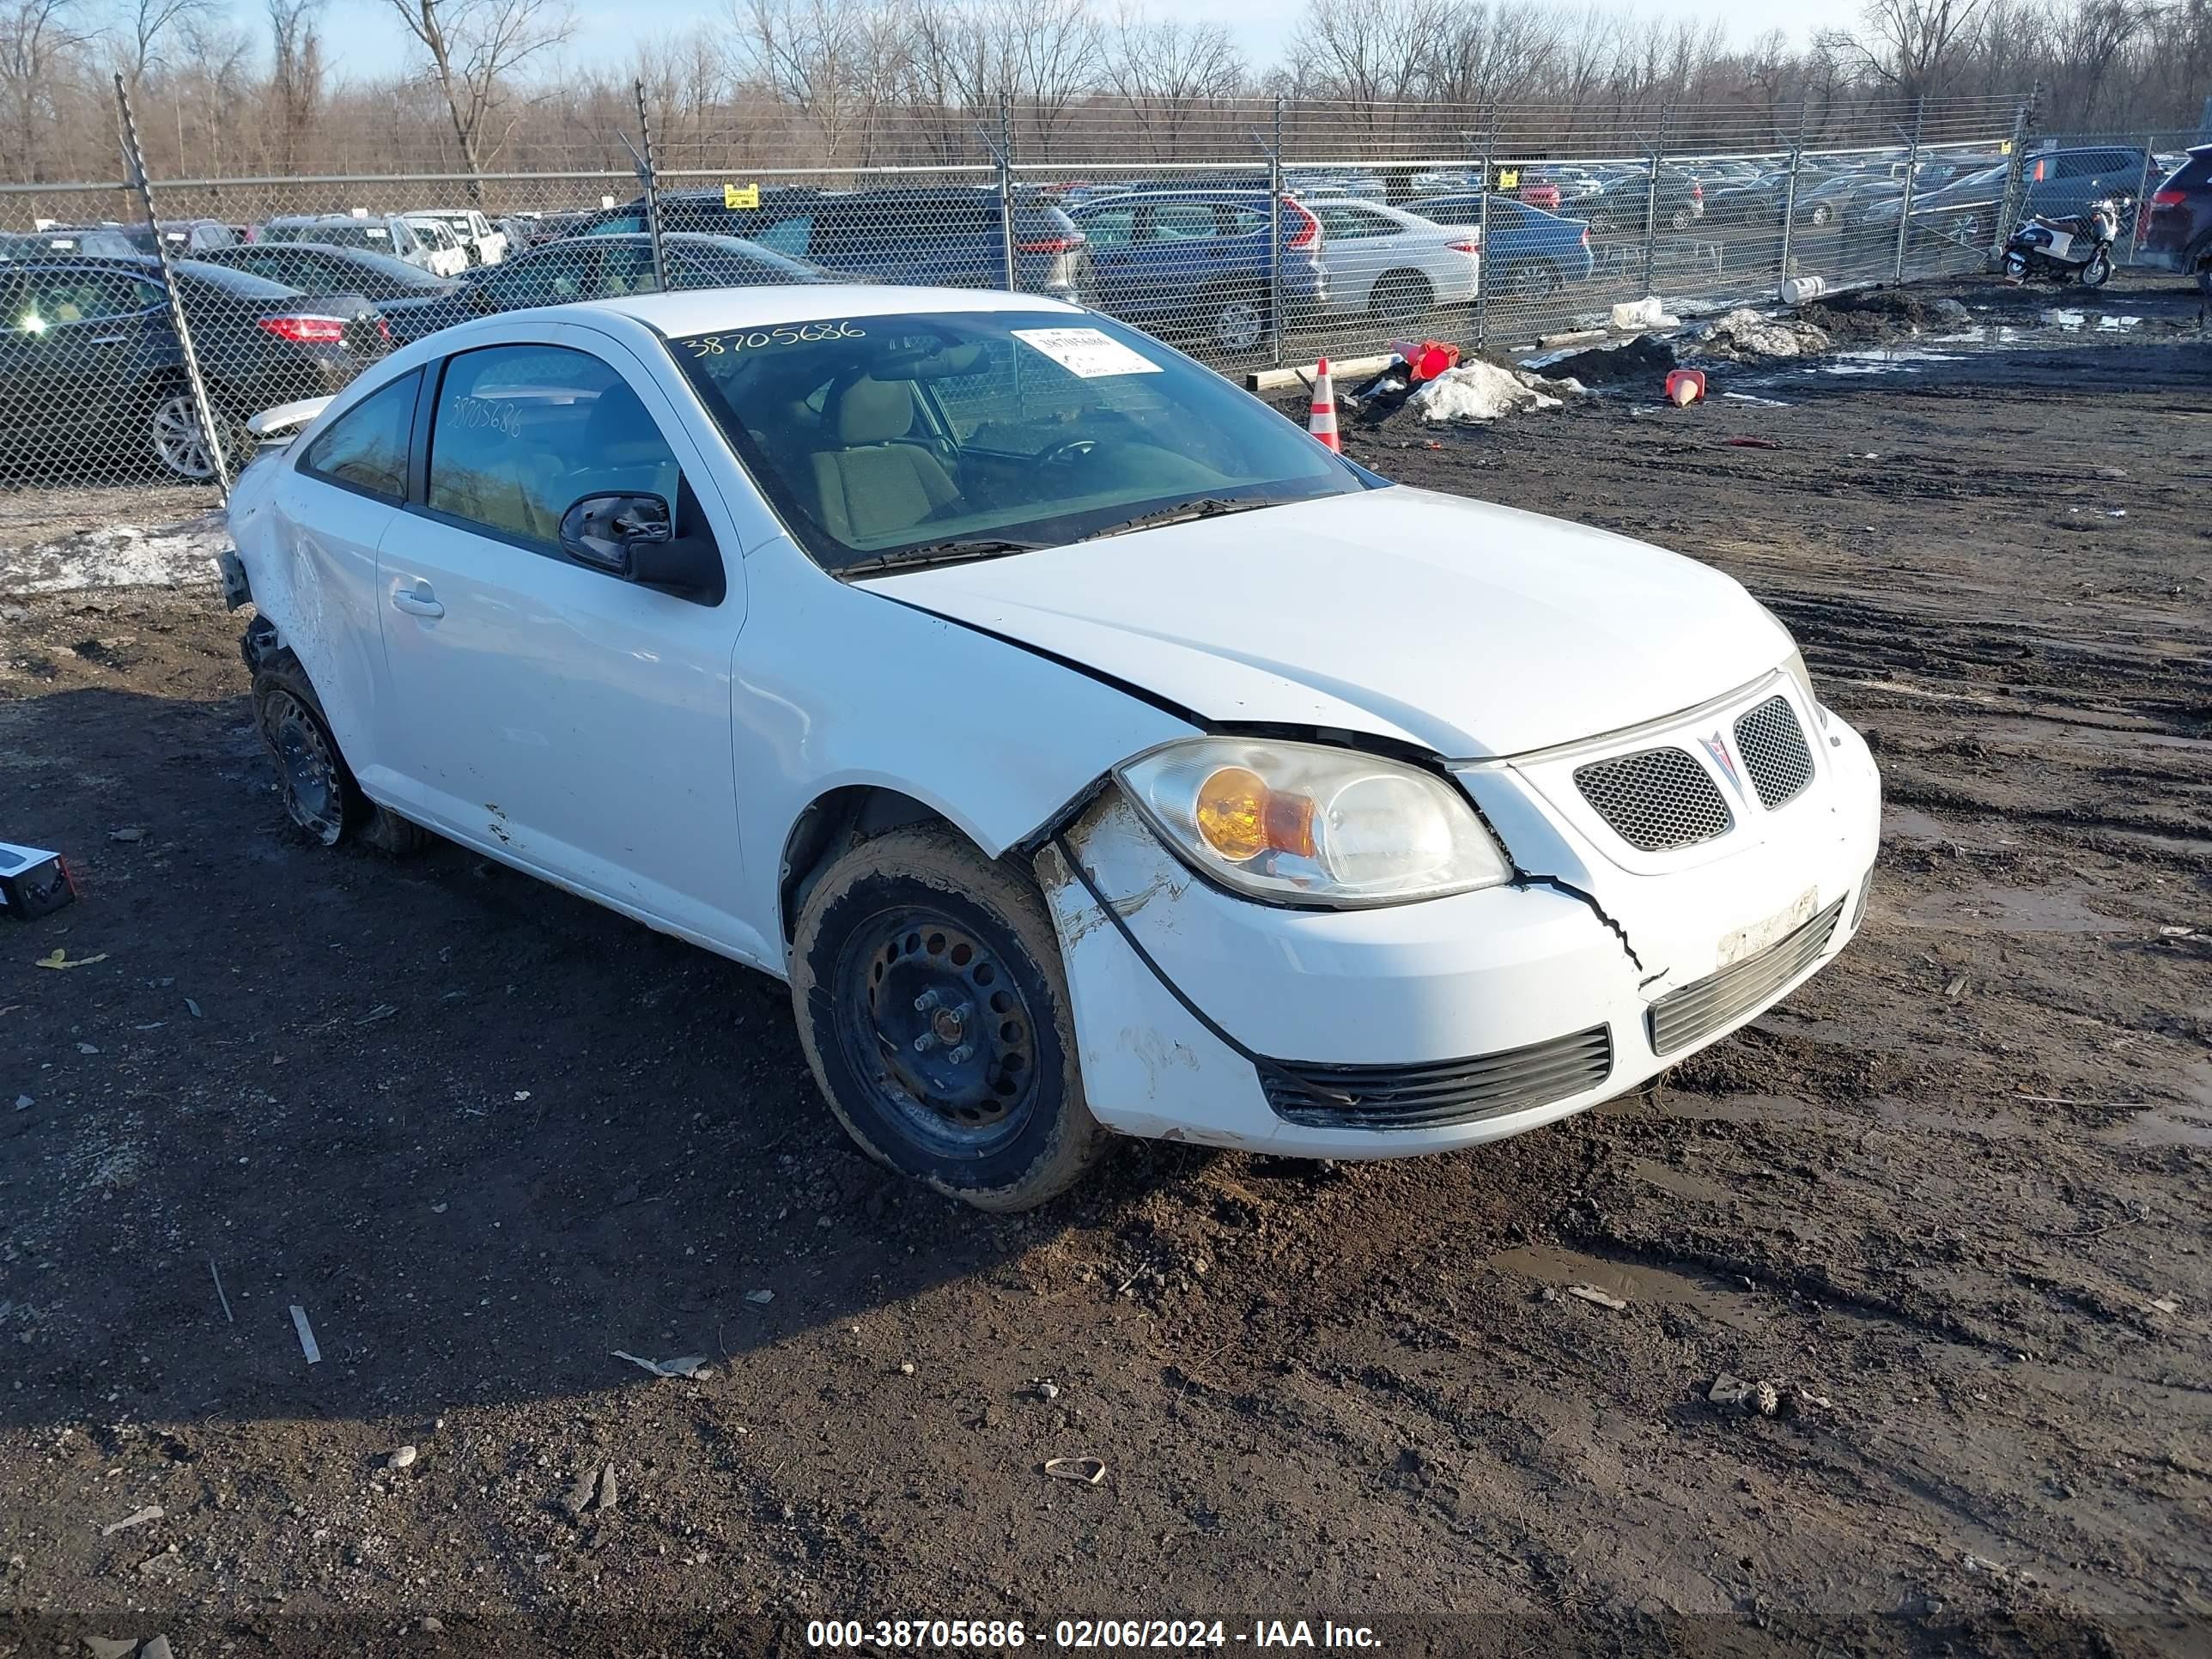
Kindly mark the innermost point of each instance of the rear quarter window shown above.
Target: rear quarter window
(366, 447)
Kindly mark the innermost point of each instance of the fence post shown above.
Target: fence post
(1484, 270)
(1790, 195)
(1005, 148)
(134, 160)
(2142, 198)
(1657, 153)
(1275, 255)
(2023, 121)
(1905, 206)
(649, 176)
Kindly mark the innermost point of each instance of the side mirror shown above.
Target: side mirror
(605, 531)
(634, 537)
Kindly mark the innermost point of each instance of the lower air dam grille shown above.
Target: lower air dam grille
(1442, 1093)
(1680, 1017)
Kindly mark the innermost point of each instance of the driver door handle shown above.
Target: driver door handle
(418, 601)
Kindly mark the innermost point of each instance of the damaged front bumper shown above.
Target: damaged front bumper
(1202, 1016)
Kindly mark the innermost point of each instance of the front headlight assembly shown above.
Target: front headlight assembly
(1304, 823)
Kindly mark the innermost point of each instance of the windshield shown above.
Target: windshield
(898, 439)
(334, 233)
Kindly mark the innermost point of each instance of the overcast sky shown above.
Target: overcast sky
(375, 43)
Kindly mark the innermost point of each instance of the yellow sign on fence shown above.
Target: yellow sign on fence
(1509, 178)
(740, 196)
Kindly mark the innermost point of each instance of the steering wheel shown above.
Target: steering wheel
(1073, 449)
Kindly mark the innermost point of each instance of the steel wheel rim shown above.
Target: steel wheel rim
(1400, 303)
(178, 438)
(315, 796)
(1238, 327)
(915, 989)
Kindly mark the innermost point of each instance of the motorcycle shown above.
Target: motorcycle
(2077, 249)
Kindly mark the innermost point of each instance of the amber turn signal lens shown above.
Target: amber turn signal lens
(1240, 818)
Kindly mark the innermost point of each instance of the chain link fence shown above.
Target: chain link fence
(145, 323)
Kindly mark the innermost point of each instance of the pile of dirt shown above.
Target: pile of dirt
(1877, 316)
(1745, 336)
(1646, 357)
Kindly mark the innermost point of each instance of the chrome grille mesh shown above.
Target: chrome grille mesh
(1772, 744)
(1656, 799)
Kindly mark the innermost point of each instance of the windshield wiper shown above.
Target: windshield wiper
(955, 551)
(1207, 506)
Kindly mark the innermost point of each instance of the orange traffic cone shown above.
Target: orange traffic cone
(1684, 386)
(1323, 421)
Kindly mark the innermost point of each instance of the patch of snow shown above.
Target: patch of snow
(119, 555)
(1745, 335)
(1649, 312)
(1481, 391)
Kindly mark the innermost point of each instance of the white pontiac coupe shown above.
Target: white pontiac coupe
(1088, 748)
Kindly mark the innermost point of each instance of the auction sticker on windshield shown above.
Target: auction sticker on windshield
(1086, 353)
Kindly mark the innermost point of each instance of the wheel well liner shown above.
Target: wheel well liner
(831, 825)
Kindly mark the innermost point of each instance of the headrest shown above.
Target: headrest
(875, 411)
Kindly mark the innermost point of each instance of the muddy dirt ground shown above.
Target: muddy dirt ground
(1950, 1199)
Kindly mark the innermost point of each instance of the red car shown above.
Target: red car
(2175, 230)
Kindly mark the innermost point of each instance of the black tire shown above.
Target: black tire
(2098, 271)
(1532, 281)
(1819, 213)
(319, 792)
(1235, 319)
(931, 1002)
(1683, 219)
(1402, 298)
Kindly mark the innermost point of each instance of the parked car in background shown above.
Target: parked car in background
(522, 231)
(593, 268)
(947, 234)
(445, 254)
(87, 358)
(2175, 229)
(2055, 183)
(1185, 263)
(1529, 254)
(88, 241)
(312, 268)
(1235, 853)
(1622, 205)
(1393, 266)
(186, 237)
(382, 234)
(483, 245)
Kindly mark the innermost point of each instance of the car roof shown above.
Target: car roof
(703, 310)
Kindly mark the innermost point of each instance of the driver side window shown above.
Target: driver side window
(520, 433)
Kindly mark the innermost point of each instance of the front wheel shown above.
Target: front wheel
(928, 986)
(2098, 271)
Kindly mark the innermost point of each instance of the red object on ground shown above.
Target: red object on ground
(1323, 421)
(1685, 386)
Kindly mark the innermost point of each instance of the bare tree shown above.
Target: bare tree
(1166, 73)
(40, 41)
(477, 49)
(1369, 55)
(143, 27)
(806, 53)
(295, 73)
(1912, 45)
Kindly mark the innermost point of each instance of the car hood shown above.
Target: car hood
(1470, 629)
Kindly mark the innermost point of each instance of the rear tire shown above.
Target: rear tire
(320, 794)
(1236, 320)
(1401, 299)
(178, 445)
(926, 983)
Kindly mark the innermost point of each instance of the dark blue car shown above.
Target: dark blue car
(1531, 254)
(1193, 263)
